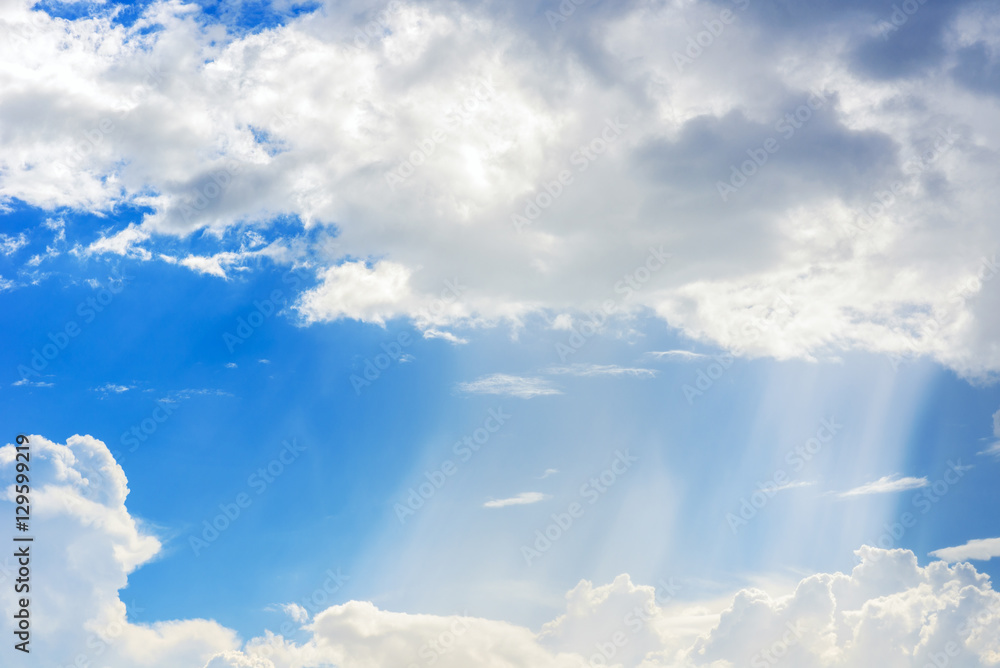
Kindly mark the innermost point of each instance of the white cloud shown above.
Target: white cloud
(231, 365)
(180, 144)
(447, 336)
(222, 264)
(296, 612)
(10, 245)
(886, 485)
(24, 382)
(187, 393)
(981, 549)
(354, 290)
(213, 266)
(124, 242)
(521, 499)
(676, 355)
(57, 225)
(795, 485)
(92, 544)
(547, 473)
(600, 370)
(112, 387)
(515, 386)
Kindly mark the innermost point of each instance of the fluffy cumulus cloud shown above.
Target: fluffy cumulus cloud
(888, 611)
(782, 183)
(89, 545)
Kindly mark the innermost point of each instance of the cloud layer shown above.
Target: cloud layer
(888, 610)
(782, 189)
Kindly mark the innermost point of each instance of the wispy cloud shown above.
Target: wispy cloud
(547, 473)
(515, 386)
(886, 485)
(24, 382)
(230, 365)
(994, 449)
(600, 370)
(178, 395)
(675, 355)
(980, 549)
(521, 499)
(447, 336)
(10, 245)
(112, 388)
(795, 485)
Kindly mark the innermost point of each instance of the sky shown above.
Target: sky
(642, 334)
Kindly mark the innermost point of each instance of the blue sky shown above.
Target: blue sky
(226, 294)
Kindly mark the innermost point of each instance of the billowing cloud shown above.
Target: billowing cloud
(837, 205)
(92, 543)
